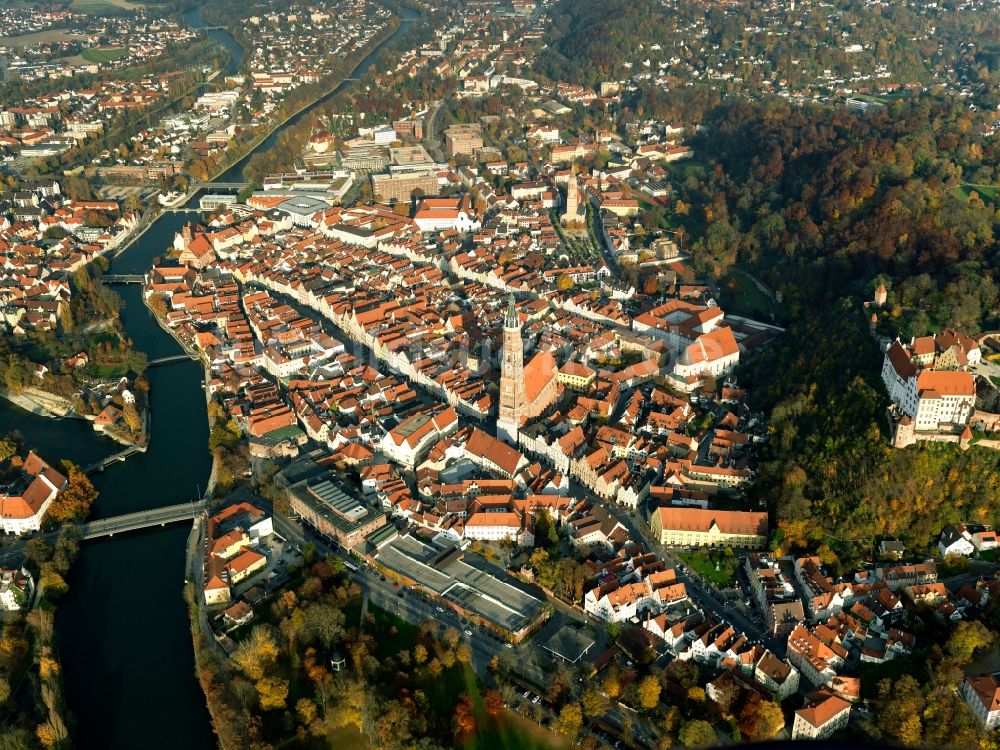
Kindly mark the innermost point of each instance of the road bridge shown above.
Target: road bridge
(124, 278)
(143, 519)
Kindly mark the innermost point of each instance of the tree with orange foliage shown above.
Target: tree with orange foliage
(493, 702)
(465, 717)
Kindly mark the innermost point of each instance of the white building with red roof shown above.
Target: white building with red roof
(410, 440)
(25, 501)
(821, 718)
(440, 214)
(982, 693)
(926, 381)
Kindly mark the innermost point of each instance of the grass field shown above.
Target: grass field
(347, 738)
(102, 54)
(741, 296)
(704, 563)
(986, 192)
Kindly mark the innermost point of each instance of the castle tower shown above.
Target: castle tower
(966, 439)
(881, 295)
(904, 436)
(512, 395)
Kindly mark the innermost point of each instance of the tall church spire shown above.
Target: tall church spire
(511, 320)
(512, 391)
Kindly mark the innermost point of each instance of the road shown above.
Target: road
(430, 137)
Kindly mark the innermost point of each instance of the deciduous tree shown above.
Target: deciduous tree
(649, 692)
(697, 733)
(570, 720)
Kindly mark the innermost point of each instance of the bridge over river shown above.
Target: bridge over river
(143, 519)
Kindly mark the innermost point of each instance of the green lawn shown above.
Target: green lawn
(102, 54)
(108, 371)
(684, 167)
(741, 296)
(509, 730)
(345, 738)
(986, 192)
(704, 563)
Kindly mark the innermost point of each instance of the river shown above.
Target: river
(123, 629)
(235, 173)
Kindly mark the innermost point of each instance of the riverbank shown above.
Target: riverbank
(377, 42)
(40, 403)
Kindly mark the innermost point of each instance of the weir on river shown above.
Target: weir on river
(124, 633)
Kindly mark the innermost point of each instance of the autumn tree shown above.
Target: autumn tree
(465, 717)
(649, 692)
(75, 500)
(420, 653)
(968, 637)
(322, 623)
(613, 682)
(899, 710)
(255, 655)
(594, 703)
(131, 416)
(493, 702)
(8, 448)
(570, 720)
(305, 709)
(697, 733)
(272, 691)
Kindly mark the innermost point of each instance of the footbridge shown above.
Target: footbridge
(114, 458)
(219, 185)
(124, 278)
(171, 358)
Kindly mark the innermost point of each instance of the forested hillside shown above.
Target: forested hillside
(822, 203)
(592, 42)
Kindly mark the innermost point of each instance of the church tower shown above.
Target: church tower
(572, 215)
(512, 396)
